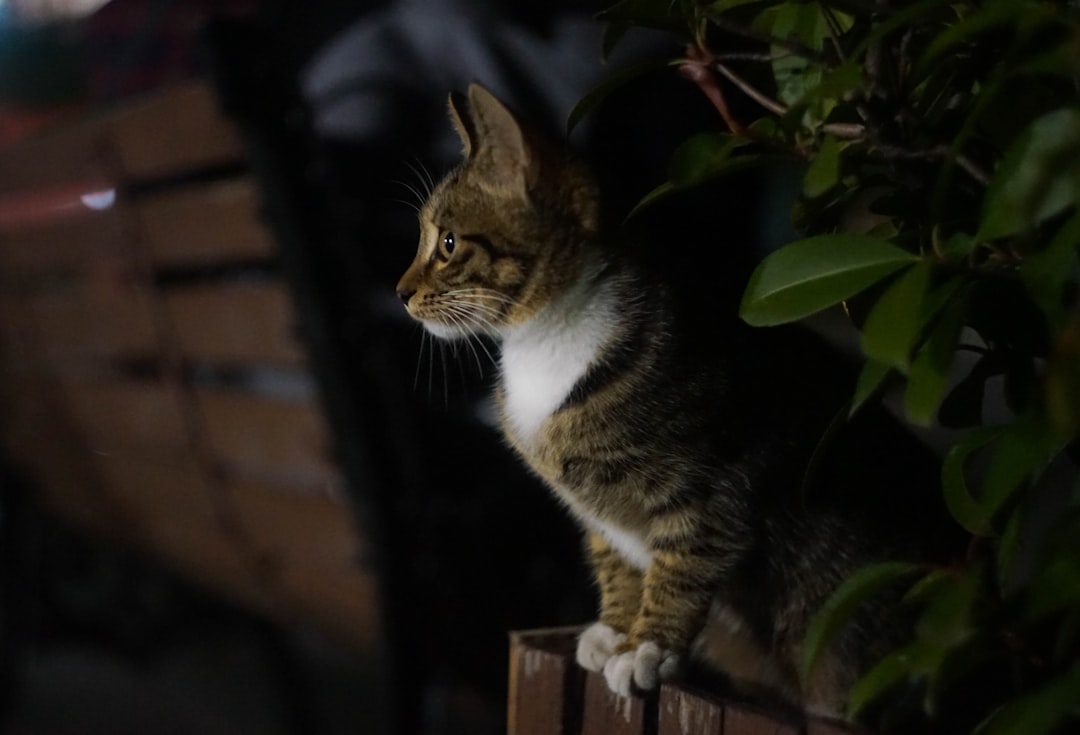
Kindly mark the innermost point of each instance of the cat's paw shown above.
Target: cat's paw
(596, 645)
(642, 668)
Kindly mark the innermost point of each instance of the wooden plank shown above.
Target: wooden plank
(69, 244)
(137, 419)
(71, 150)
(744, 720)
(236, 323)
(606, 713)
(285, 554)
(821, 726)
(172, 132)
(274, 441)
(545, 689)
(209, 224)
(110, 320)
(688, 713)
(313, 552)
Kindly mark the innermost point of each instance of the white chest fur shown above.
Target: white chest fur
(544, 358)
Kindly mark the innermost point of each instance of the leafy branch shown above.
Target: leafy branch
(881, 101)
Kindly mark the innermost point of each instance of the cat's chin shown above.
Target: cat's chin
(448, 332)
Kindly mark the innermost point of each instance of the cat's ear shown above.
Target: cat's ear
(501, 139)
(463, 122)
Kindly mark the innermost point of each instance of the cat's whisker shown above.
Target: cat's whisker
(419, 358)
(423, 176)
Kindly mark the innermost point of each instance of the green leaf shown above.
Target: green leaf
(700, 157)
(872, 376)
(991, 15)
(1038, 712)
(713, 169)
(613, 33)
(929, 371)
(1038, 177)
(1024, 449)
(809, 275)
(1046, 274)
(721, 6)
(844, 603)
(959, 500)
(795, 74)
(659, 14)
(603, 90)
(893, 325)
(887, 673)
(824, 170)
(661, 192)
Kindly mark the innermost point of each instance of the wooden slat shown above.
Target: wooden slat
(204, 225)
(315, 555)
(69, 244)
(236, 323)
(111, 321)
(173, 132)
(275, 441)
(741, 720)
(819, 726)
(72, 150)
(687, 713)
(135, 419)
(606, 713)
(546, 683)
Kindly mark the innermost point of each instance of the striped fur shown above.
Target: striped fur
(675, 450)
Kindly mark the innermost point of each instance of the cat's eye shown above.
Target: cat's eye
(447, 245)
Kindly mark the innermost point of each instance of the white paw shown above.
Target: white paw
(596, 645)
(643, 668)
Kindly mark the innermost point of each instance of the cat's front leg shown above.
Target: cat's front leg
(620, 598)
(677, 591)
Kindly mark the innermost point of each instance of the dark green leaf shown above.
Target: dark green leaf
(663, 15)
(812, 274)
(1038, 712)
(795, 74)
(1021, 453)
(721, 6)
(844, 603)
(991, 15)
(929, 371)
(890, 671)
(664, 190)
(894, 323)
(1046, 274)
(613, 33)
(602, 91)
(1062, 382)
(824, 170)
(958, 497)
(700, 157)
(872, 376)
(1038, 177)
(963, 406)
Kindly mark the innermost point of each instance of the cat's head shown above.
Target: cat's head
(505, 233)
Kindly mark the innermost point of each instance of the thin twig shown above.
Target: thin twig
(893, 152)
(834, 31)
(750, 91)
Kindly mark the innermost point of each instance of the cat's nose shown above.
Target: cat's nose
(405, 294)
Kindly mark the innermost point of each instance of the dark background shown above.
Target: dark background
(99, 639)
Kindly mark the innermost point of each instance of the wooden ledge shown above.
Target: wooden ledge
(549, 694)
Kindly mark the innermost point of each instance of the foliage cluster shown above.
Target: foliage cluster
(941, 204)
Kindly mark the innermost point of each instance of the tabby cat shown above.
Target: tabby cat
(681, 448)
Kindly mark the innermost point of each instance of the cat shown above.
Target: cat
(680, 440)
